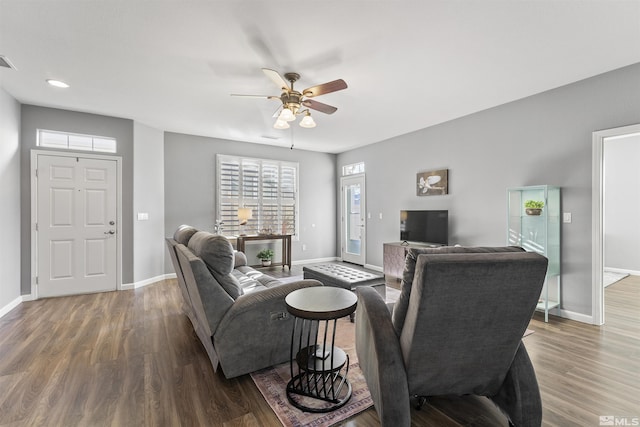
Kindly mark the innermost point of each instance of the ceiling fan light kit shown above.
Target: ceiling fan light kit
(286, 115)
(281, 124)
(307, 121)
(292, 100)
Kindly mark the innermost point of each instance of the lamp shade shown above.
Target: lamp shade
(286, 115)
(307, 121)
(244, 215)
(281, 124)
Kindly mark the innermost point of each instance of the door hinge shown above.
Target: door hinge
(36, 173)
(36, 226)
(36, 280)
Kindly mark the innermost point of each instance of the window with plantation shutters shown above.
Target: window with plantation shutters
(268, 187)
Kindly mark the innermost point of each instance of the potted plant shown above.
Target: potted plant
(265, 255)
(533, 207)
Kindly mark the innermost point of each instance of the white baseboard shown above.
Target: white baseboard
(374, 268)
(7, 308)
(572, 315)
(147, 282)
(315, 260)
(622, 271)
(28, 297)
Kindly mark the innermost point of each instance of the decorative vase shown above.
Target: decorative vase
(266, 262)
(533, 211)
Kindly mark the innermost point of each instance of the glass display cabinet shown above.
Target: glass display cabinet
(535, 226)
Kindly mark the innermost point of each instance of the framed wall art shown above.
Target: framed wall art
(432, 183)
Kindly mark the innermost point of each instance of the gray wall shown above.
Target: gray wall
(148, 197)
(10, 197)
(34, 118)
(542, 139)
(622, 204)
(190, 185)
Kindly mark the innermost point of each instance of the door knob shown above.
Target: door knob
(110, 232)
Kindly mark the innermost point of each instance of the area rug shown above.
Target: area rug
(610, 277)
(272, 383)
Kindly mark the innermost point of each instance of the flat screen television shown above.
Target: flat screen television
(431, 227)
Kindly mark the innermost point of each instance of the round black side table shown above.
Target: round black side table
(316, 363)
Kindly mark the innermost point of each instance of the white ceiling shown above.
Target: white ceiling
(172, 65)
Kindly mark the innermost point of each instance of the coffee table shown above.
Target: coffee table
(316, 363)
(346, 277)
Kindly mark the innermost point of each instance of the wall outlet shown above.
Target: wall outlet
(304, 247)
(143, 216)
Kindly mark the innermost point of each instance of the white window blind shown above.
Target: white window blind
(268, 187)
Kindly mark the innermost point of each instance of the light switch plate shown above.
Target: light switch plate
(566, 217)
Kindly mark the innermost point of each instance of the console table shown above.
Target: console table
(393, 255)
(286, 246)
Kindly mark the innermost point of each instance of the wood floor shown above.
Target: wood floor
(131, 359)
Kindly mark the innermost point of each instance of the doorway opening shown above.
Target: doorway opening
(600, 138)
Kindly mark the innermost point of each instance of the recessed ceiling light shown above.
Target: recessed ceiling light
(57, 83)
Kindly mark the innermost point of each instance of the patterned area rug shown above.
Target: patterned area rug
(272, 383)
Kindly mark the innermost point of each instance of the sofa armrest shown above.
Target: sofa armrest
(380, 359)
(256, 331)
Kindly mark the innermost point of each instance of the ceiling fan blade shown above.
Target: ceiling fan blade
(329, 87)
(256, 96)
(277, 78)
(250, 96)
(319, 106)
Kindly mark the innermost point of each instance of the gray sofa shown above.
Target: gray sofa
(456, 329)
(237, 312)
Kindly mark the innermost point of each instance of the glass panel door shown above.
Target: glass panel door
(353, 228)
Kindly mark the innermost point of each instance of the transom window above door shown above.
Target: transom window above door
(256, 196)
(76, 141)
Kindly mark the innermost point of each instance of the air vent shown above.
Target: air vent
(4, 62)
(270, 137)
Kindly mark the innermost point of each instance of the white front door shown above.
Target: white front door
(353, 228)
(76, 225)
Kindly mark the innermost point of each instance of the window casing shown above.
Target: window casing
(268, 187)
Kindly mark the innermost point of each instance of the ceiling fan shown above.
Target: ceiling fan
(293, 100)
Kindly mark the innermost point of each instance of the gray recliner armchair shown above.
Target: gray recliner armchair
(455, 330)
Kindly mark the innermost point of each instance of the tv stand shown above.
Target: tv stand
(393, 255)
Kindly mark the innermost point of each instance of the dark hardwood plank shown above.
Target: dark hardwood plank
(132, 358)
